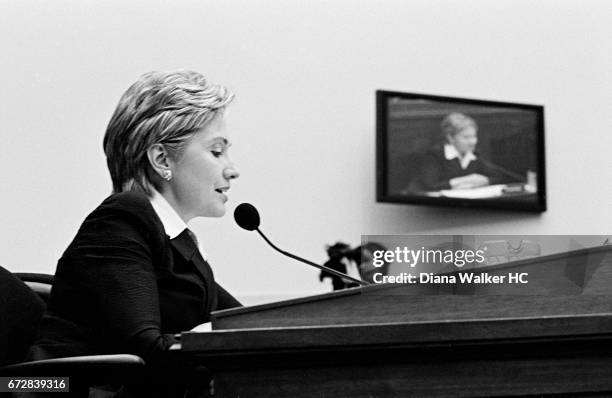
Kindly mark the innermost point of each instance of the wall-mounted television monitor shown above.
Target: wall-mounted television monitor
(447, 151)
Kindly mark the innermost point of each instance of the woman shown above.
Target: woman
(455, 166)
(134, 276)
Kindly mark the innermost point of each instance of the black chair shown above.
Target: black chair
(23, 299)
(39, 283)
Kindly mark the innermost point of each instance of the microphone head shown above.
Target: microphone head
(247, 216)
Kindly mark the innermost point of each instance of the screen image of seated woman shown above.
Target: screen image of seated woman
(455, 164)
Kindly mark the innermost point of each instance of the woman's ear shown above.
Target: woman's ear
(158, 159)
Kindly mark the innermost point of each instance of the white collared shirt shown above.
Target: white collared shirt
(450, 152)
(172, 222)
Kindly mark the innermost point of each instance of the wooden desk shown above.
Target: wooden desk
(414, 340)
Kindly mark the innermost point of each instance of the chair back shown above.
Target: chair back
(21, 310)
(39, 283)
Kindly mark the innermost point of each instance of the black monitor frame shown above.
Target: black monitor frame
(537, 201)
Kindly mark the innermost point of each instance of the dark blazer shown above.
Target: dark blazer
(437, 171)
(122, 286)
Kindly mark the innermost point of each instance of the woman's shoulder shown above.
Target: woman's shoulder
(124, 213)
(434, 154)
(128, 200)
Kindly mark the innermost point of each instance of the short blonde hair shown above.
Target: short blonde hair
(165, 108)
(455, 122)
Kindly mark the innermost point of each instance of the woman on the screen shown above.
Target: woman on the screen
(455, 165)
(134, 275)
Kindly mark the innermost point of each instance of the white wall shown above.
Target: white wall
(303, 123)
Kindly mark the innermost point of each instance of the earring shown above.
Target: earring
(167, 175)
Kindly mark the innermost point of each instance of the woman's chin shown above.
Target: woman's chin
(213, 210)
(216, 212)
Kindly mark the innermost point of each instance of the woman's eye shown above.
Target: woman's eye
(217, 153)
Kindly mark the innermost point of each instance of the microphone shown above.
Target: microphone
(503, 170)
(247, 217)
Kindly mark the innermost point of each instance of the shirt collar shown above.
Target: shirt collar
(450, 152)
(172, 222)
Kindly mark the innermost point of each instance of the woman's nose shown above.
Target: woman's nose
(231, 172)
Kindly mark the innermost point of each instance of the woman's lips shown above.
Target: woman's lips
(221, 191)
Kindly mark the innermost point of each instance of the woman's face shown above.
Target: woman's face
(465, 140)
(201, 176)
